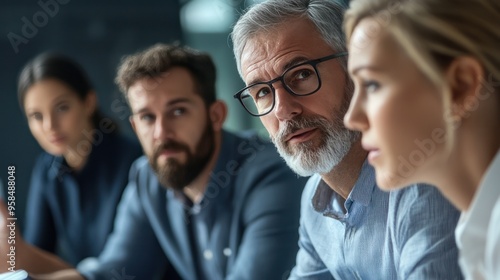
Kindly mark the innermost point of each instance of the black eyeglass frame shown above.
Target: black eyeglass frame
(313, 63)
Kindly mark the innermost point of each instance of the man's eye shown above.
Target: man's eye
(301, 80)
(303, 74)
(63, 108)
(297, 75)
(178, 111)
(263, 92)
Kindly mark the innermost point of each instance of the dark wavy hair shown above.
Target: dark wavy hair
(160, 58)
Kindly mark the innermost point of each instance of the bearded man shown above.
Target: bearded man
(292, 56)
(215, 205)
(204, 202)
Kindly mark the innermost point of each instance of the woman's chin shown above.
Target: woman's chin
(390, 181)
(56, 151)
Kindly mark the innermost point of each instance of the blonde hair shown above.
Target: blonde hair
(434, 32)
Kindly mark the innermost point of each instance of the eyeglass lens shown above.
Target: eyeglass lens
(300, 80)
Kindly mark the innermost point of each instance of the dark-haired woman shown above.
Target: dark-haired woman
(78, 181)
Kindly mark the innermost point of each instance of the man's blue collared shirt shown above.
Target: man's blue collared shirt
(404, 234)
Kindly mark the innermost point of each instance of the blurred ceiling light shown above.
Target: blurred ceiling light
(202, 16)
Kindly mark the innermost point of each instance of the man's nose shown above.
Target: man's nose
(287, 106)
(162, 129)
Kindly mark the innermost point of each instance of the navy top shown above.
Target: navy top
(245, 227)
(72, 213)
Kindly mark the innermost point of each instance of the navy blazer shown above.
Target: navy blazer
(245, 227)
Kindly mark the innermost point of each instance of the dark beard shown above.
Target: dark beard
(176, 175)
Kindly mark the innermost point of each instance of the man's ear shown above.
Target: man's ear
(132, 123)
(465, 76)
(217, 113)
(90, 103)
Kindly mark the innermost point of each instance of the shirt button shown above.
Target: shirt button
(227, 252)
(208, 255)
(196, 209)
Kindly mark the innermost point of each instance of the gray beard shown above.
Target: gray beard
(306, 159)
(335, 141)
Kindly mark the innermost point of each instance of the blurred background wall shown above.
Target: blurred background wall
(97, 34)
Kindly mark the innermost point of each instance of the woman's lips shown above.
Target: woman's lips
(373, 153)
(57, 140)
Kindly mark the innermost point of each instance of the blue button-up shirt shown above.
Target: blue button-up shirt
(404, 234)
(245, 227)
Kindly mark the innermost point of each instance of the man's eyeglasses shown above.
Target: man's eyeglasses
(300, 80)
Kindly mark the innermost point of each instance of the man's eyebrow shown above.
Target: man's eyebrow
(170, 103)
(179, 100)
(140, 111)
(291, 63)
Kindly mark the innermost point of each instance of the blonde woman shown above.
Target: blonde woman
(427, 102)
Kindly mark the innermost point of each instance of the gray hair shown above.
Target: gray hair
(326, 15)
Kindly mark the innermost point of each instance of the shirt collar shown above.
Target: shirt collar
(473, 220)
(58, 167)
(325, 199)
(364, 186)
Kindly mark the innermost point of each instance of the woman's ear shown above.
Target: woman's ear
(217, 113)
(90, 103)
(465, 77)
